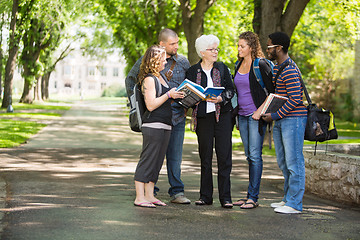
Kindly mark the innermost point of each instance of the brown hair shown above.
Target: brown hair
(151, 62)
(253, 42)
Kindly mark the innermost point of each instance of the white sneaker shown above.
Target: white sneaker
(286, 210)
(277, 204)
(181, 199)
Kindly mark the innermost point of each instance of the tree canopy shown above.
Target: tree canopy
(322, 33)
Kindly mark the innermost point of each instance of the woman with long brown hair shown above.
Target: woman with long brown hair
(156, 127)
(251, 95)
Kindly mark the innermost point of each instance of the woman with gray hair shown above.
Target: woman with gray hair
(212, 120)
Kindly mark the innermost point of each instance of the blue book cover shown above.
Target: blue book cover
(208, 92)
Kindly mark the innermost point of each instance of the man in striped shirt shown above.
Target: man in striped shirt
(289, 127)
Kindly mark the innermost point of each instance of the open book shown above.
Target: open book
(195, 93)
(273, 103)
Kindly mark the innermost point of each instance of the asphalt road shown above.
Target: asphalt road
(74, 180)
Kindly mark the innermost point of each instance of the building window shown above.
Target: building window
(115, 72)
(67, 85)
(91, 71)
(67, 70)
(79, 85)
(79, 72)
(102, 71)
(55, 84)
(103, 85)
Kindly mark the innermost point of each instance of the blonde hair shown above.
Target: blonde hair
(151, 62)
(253, 42)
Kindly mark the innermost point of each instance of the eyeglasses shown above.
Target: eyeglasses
(272, 46)
(213, 49)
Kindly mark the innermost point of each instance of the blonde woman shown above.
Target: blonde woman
(156, 127)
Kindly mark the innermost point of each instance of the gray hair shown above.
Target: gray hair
(204, 41)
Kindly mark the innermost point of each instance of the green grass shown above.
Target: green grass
(347, 129)
(25, 121)
(22, 106)
(42, 115)
(13, 133)
(348, 132)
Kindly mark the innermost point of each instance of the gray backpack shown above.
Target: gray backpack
(138, 108)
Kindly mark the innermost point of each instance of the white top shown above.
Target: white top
(210, 107)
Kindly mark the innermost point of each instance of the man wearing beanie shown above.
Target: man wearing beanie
(289, 127)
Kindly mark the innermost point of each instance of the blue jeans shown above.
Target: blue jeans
(174, 158)
(253, 144)
(288, 137)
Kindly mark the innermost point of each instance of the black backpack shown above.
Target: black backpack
(320, 124)
(138, 108)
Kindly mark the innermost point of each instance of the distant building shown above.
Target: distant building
(80, 75)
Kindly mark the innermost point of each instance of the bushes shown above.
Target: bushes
(114, 90)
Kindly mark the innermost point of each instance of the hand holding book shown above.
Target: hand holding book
(273, 103)
(217, 99)
(174, 94)
(194, 93)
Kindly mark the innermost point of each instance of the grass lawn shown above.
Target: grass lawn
(348, 133)
(17, 127)
(28, 119)
(13, 133)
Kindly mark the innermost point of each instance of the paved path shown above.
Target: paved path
(74, 180)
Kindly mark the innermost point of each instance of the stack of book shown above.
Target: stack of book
(273, 103)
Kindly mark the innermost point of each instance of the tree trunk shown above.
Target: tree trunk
(1, 68)
(45, 86)
(11, 62)
(46, 77)
(193, 24)
(274, 15)
(2, 20)
(37, 89)
(27, 95)
(355, 90)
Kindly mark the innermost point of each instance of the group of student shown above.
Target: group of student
(212, 120)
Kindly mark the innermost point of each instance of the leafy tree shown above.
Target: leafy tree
(49, 60)
(226, 19)
(323, 45)
(193, 23)
(44, 33)
(63, 38)
(3, 21)
(14, 40)
(136, 24)
(45, 30)
(276, 15)
(36, 39)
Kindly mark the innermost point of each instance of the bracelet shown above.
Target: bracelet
(168, 94)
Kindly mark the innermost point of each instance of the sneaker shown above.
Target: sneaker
(181, 199)
(286, 210)
(278, 204)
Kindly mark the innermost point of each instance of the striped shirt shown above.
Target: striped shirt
(288, 85)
